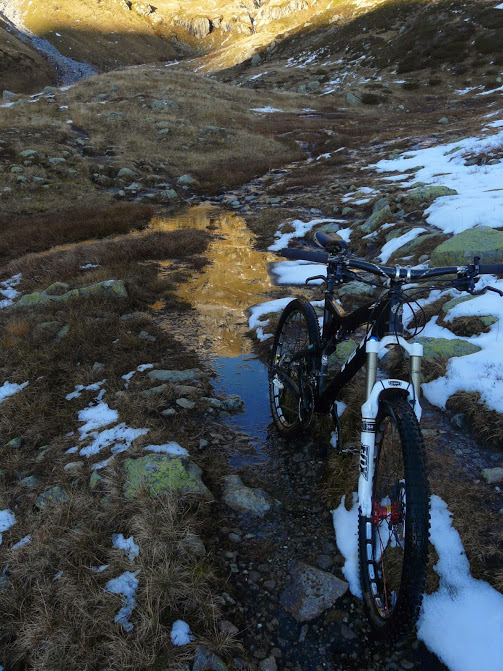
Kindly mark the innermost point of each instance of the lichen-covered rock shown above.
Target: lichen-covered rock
(54, 495)
(163, 474)
(245, 499)
(342, 353)
(376, 219)
(481, 241)
(311, 592)
(108, 288)
(493, 476)
(427, 194)
(440, 348)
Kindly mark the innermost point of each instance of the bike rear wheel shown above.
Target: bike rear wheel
(291, 384)
(393, 542)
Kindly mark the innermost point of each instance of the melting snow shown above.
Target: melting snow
(7, 520)
(126, 585)
(300, 230)
(180, 633)
(10, 388)
(8, 291)
(131, 549)
(169, 448)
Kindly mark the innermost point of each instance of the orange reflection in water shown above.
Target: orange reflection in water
(235, 279)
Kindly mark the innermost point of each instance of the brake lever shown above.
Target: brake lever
(483, 291)
(317, 277)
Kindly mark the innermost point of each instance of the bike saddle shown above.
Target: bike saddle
(332, 242)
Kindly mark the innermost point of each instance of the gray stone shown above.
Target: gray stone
(353, 99)
(51, 496)
(185, 180)
(268, 664)
(176, 376)
(230, 404)
(115, 288)
(245, 499)
(57, 160)
(168, 412)
(205, 660)
(30, 481)
(9, 96)
(144, 335)
(443, 120)
(154, 390)
(228, 628)
(74, 467)
(311, 592)
(127, 172)
(194, 543)
(481, 241)
(185, 403)
(57, 289)
(28, 153)
(168, 194)
(256, 60)
(493, 476)
(15, 442)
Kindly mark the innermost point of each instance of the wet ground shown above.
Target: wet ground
(256, 555)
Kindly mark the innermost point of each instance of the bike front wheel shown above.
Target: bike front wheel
(293, 359)
(393, 542)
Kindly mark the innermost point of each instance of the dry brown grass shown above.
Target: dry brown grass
(27, 234)
(488, 424)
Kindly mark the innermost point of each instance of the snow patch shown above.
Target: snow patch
(10, 388)
(180, 633)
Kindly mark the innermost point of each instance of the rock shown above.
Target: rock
(324, 561)
(194, 543)
(54, 495)
(353, 99)
(30, 481)
(57, 160)
(427, 194)
(126, 172)
(228, 628)
(185, 403)
(168, 194)
(456, 301)
(163, 474)
(185, 390)
(185, 180)
(493, 476)
(328, 228)
(443, 120)
(311, 592)
(245, 499)
(57, 289)
(230, 404)
(74, 467)
(205, 660)
(108, 288)
(482, 241)
(411, 246)
(376, 219)
(142, 8)
(168, 412)
(256, 60)
(342, 352)
(154, 390)
(144, 335)
(62, 333)
(268, 664)
(438, 348)
(15, 442)
(95, 479)
(176, 376)
(9, 96)
(28, 153)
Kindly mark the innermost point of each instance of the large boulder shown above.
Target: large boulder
(446, 348)
(311, 592)
(427, 194)
(163, 474)
(377, 218)
(481, 241)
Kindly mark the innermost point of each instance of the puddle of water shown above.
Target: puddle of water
(246, 377)
(235, 279)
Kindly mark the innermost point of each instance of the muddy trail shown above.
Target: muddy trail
(259, 556)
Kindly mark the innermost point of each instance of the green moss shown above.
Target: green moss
(480, 241)
(446, 348)
(163, 474)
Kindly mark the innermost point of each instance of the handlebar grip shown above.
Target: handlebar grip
(491, 268)
(304, 255)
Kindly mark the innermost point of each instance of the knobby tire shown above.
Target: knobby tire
(297, 329)
(393, 542)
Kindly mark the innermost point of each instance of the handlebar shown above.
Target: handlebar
(397, 272)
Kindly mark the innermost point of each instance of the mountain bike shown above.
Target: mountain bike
(393, 490)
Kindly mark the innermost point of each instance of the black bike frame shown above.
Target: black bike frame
(384, 318)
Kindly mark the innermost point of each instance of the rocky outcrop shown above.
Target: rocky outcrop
(481, 241)
(53, 294)
(163, 474)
